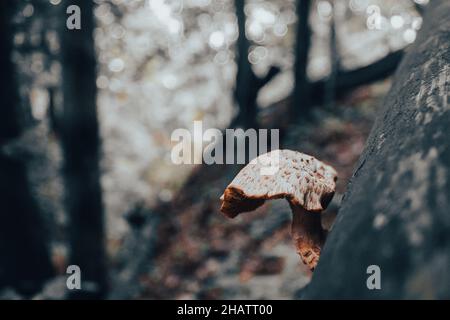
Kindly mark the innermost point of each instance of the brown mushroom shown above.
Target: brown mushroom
(305, 182)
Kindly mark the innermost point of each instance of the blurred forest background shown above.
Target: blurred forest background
(86, 119)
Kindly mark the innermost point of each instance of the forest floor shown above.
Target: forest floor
(187, 249)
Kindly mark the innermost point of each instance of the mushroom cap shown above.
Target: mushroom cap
(301, 179)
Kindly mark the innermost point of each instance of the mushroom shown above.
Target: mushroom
(305, 182)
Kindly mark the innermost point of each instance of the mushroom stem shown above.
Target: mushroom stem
(308, 234)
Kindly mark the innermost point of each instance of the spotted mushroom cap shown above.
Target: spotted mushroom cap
(301, 179)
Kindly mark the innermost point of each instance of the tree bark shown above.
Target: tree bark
(396, 213)
(81, 147)
(24, 259)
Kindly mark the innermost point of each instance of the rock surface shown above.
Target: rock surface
(396, 213)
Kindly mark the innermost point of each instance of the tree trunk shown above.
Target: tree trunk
(330, 86)
(248, 84)
(81, 147)
(246, 89)
(9, 112)
(301, 98)
(396, 212)
(24, 259)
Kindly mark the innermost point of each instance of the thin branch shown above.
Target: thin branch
(272, 73)
(348, 80)
(419, 8)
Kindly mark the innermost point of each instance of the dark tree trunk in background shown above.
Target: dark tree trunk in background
(301, 95)
(81, 147)
(396, 213)
(9, 111)
(24, 259)
(330, 90)
(248, 83)
(245, 91)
